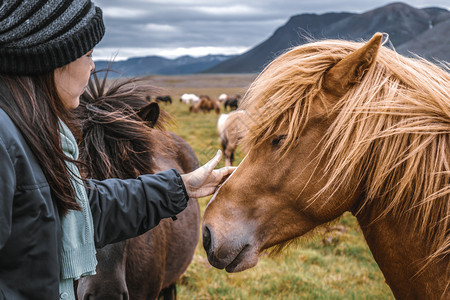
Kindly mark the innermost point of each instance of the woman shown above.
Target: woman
(50, 220)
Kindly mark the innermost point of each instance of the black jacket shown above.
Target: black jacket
(30, 226)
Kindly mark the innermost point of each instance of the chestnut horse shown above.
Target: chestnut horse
(344, 126)
(206, 104)
(122, 137)
(231, 129)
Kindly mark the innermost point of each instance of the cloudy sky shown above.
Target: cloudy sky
(172, 28)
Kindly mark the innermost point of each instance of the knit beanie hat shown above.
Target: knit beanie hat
(38, 36)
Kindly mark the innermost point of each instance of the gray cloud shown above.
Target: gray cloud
(144, 27)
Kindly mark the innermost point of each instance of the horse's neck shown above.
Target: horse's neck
(163, 158)
(400, 253)
(164, 163)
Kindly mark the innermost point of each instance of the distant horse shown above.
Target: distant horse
(343, 126)
(166, 99)
(123, 138)
(231, 128)
(223, 97)
(189, 98)
(206, 104)
(232, 102)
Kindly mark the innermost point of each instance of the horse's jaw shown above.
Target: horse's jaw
(233, 256)
(231, 246)
(246, 259)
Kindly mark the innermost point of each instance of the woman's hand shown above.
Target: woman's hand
(204, 181)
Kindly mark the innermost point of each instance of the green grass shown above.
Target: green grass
(319, 266)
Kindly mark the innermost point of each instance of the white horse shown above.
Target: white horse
(189, 98)
(223, 97)
(231, 128)
(221, 124)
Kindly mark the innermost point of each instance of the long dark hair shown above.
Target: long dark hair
(34, 106)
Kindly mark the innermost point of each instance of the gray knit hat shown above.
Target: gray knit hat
(38, 36)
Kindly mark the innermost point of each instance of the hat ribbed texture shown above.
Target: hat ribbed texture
(38, 36)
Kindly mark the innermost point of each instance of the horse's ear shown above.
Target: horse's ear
(149, 113)
(350, 70)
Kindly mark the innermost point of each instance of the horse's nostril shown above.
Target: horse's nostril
(125, 296)
(88, 297)
(206, 239)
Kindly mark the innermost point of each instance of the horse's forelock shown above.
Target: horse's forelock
(280, 98)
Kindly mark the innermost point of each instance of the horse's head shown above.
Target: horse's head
(117, 125)
(276, 194)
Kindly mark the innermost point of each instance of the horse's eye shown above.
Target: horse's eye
(278, 140)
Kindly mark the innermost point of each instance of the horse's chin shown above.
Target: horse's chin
(246, 259)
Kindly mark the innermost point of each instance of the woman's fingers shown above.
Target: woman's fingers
(225, 172)
(210, 165)
(205, 180)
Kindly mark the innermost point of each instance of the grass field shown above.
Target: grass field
(332, 263)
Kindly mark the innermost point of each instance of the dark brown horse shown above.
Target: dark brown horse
(122, 137)
(166, 99)
(343, 126)
(232, 102)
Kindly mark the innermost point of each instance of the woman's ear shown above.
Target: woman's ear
(150, 113)
(350, 70)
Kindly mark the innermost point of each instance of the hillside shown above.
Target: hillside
(431, 44)
(422, 31)
(401, 21)
(296, 31)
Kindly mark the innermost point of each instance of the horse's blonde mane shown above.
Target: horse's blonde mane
(391, 132)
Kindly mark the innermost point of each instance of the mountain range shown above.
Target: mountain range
(412, 31)
(137, 66)
(425, 32)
